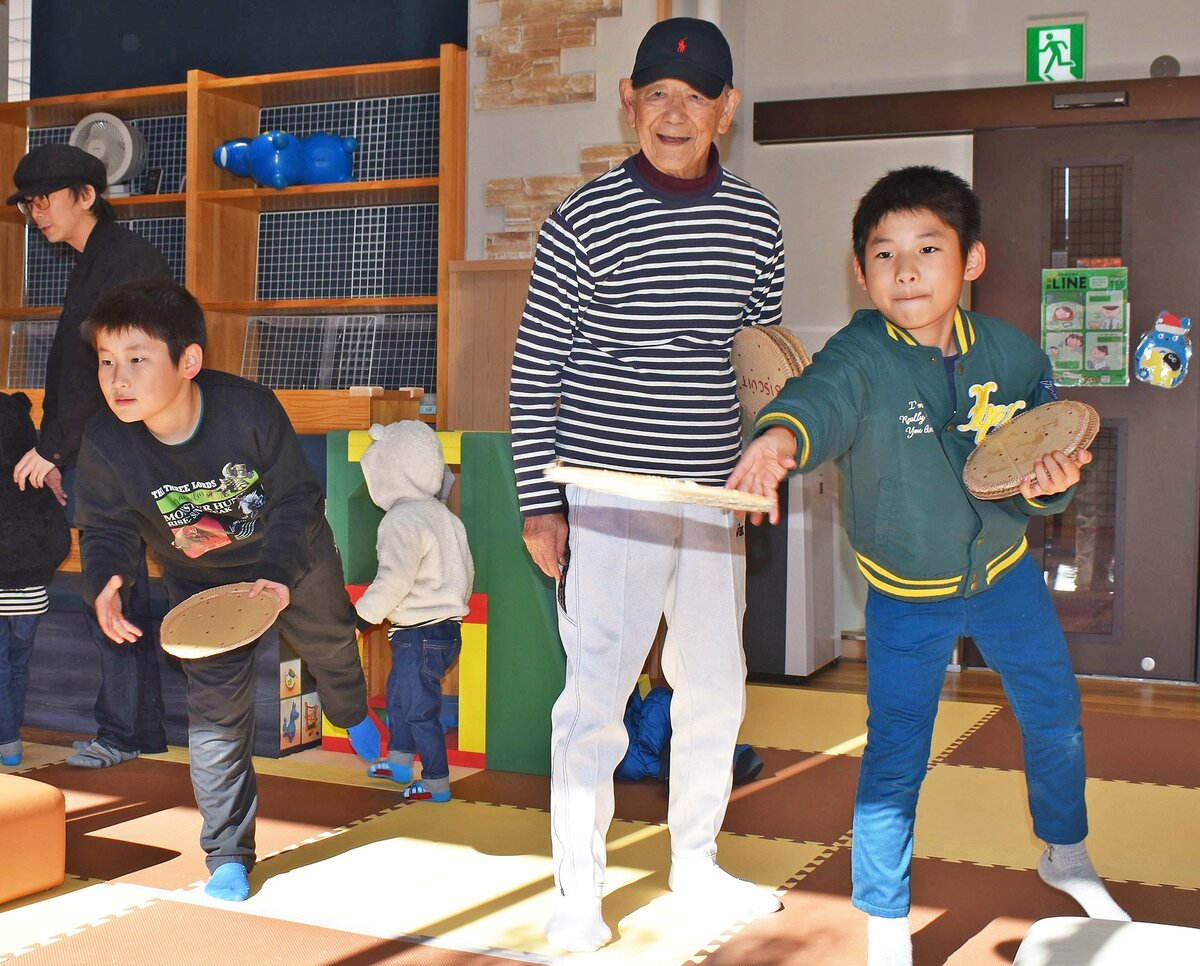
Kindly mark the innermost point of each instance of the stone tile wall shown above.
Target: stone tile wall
(527, 201)
(523, 50)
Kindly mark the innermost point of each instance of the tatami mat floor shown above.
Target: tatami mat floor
(348, 874)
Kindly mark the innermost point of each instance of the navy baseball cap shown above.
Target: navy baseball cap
(54, 166)
(684, 48)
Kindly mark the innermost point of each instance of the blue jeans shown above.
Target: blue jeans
(16, 644)
(129, 708)
(908, 647)
(420, 656)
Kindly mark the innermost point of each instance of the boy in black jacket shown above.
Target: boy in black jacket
(206, 469)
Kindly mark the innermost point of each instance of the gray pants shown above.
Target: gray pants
(319, 625)
(631, 563)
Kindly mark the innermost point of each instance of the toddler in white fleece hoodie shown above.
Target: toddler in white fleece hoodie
(422, 588)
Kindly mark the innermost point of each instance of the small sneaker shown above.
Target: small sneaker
(417, 792)
(10, 753)
(97, 755)
(391, 770)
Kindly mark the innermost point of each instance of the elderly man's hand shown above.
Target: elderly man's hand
(546, 540)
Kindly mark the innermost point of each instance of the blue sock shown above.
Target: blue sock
(229, 881)
(364, 738)
(10, 760)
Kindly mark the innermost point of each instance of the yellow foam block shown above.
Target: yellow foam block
(833, 722)
(357, 440)
(975, 815)
(472, 689)
(1141, 833)
(451, 441)
(487, 882)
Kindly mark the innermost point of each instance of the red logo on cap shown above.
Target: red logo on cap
(681, 46)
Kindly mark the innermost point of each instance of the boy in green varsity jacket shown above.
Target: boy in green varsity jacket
(898, 399)
(206, 469)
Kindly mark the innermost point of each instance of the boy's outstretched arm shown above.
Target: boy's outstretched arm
(763, 466)
(110, 616)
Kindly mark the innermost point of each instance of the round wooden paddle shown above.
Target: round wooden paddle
(999, 464)
(764, 357)
(217, 620)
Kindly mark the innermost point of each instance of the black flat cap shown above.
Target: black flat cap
(54, 166)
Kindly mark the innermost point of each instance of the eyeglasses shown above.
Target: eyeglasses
(27, 206)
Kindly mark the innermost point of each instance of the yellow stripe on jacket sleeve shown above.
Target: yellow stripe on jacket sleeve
(795, 426)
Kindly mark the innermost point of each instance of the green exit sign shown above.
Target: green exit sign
(1054, 50)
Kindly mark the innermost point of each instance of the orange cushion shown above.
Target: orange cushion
(33, 837)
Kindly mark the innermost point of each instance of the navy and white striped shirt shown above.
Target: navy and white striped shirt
(23, 601)
(622, 357)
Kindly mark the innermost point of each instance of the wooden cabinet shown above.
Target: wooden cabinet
(225, 244)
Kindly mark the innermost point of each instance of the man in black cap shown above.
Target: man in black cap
(58, 191)
(641, 279)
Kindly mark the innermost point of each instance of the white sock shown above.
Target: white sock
(889, 942)
(1068, 868)
(576, 925)
(704, 883)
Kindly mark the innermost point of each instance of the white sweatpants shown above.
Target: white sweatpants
(631, 563)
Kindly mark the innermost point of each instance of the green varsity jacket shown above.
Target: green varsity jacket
(878, 404)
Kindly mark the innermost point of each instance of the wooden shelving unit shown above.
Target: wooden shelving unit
(222, 211)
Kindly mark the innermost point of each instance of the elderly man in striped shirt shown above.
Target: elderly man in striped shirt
(642, 277)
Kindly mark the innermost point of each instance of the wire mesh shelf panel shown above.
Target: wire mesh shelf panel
(28, 349)
(166, 148)
(397, 136)
(48, 266)
(335, 253)
(340, 351)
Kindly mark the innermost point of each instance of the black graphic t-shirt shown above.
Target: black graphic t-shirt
(237, 501)
(206, 514)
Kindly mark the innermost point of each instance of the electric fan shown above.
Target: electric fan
(120, 147)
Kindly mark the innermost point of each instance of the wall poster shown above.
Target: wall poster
(1085, 325)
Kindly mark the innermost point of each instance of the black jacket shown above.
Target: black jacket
(112, 255)
(34, 538)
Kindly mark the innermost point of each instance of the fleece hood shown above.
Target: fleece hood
(404, 463)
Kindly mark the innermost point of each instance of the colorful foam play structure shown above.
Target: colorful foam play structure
(512, 666)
